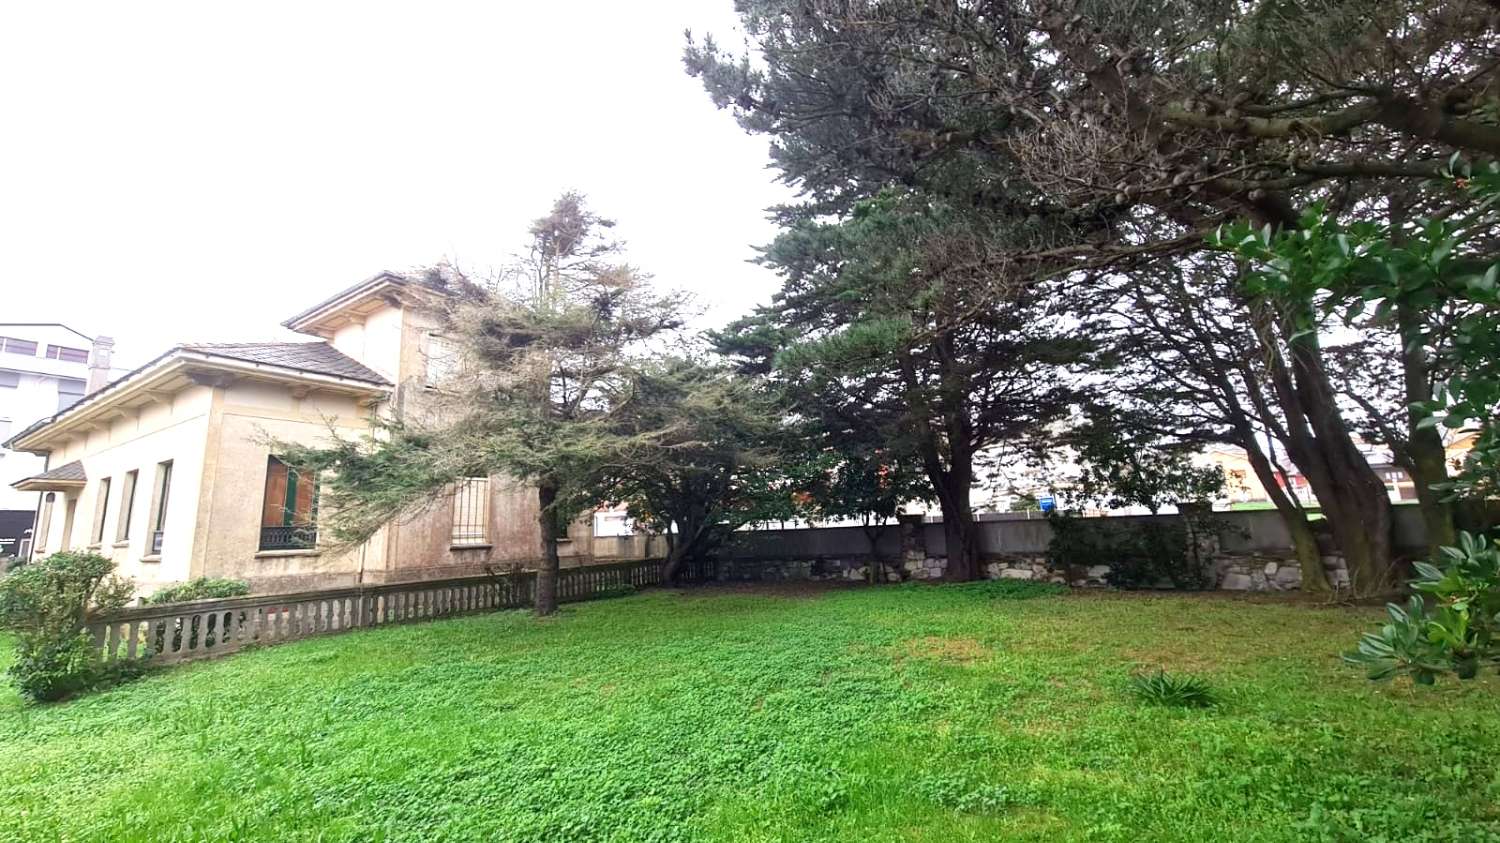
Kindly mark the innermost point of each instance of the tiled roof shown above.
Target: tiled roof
(316, 357)
(69, 473)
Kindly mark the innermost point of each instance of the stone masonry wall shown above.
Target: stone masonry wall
(1232, 572)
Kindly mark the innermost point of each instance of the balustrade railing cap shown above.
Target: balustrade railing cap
(250, 601)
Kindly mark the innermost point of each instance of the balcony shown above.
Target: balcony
(292, 537)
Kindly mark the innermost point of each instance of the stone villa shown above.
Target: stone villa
(168, 469)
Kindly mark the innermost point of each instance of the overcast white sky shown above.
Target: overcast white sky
(195, 171)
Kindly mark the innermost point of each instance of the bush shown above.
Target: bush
(1458, 633)
(49, 604)
(202, 588)
(1140, 553)
(1163, 688)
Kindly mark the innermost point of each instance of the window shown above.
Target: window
(11, 345)
(101, 511)
(70, 510)
(69, 390)
(127, 506)
(471, 507)
(44, 521)
(67, 355)
(442, 359)
(290, 513)
(159, 505)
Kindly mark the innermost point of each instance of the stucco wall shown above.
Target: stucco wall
(248, 417)
(139, 440)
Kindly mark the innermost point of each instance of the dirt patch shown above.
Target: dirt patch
(1175, 659)
(952, 650)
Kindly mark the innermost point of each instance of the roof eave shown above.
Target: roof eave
(306, 321)
(36, 441)
(37, 484)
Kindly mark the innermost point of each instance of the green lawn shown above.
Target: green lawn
(900, 713)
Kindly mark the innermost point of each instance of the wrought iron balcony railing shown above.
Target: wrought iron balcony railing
(293, 537)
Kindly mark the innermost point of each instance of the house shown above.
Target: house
(170, 469)
(44, 367)
(1242, 485)
(1459, 444)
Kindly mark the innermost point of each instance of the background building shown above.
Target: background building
(45, 367)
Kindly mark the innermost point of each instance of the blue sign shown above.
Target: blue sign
(1047, 503)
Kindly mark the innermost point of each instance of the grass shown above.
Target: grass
(901, 713)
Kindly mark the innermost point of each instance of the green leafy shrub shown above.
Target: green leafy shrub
(1163, 688)
(48, 604)
(1449, 626)
(1140, 553)
(202, 588)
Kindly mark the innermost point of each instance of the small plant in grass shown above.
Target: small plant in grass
(1163, 688)
(1451, 625)
(1011, 589)
(202, 588)
(48, 604)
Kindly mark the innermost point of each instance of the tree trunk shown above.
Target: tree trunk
(677, 555)
(960, 533)
(546, 575)
(1304, 541)
(1425, 456)
(1353, 498)
(872, 535)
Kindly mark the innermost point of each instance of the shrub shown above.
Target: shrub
(202, 588)
(1163, 688)
(48, 604)
(1457, 633)
(1140, 553)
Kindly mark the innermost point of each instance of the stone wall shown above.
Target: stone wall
(1232, 572)
(1248, 555)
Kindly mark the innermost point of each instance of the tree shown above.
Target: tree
(715, 461)
(1025, 502)
(880, 323)
(547, 359)
(1185, 368)
(1324, 267)
(1130, 131)
(1121, 467)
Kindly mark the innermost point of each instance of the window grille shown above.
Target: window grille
(471, 507)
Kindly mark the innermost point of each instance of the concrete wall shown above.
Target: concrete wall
(1255, 531)
(815, 543)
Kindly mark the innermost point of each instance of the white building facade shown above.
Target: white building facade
(44, 368)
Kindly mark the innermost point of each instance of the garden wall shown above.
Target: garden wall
(1253, 551)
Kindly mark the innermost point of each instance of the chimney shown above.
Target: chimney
(99, 363)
